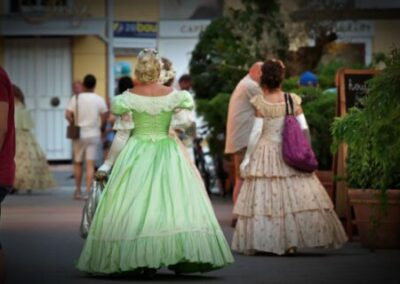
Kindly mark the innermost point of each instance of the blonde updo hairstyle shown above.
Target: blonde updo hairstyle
(148, 66)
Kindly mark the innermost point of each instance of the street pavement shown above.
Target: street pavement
(40, 237)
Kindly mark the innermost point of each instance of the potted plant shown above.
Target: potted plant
(372, 136)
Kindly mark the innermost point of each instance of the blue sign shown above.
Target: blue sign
(135, 29)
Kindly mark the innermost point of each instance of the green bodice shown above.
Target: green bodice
(149, 117)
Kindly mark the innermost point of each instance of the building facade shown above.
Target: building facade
(46, 45)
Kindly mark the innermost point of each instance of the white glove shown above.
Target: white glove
(118, 143)
(255, 135)
(301, 119)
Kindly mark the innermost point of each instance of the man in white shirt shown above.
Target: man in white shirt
(240, 121)
(89, 111)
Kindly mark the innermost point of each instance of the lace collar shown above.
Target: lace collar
(152, 105)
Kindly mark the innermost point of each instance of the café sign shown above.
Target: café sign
(182, 29)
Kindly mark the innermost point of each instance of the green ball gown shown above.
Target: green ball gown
(154, 211)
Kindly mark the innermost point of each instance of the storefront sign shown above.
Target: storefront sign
(135, 29)
(182, 29)
(355, 28)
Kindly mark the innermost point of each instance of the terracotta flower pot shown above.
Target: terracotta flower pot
(366, 204)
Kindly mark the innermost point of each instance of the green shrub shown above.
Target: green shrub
(291, 83)
(373, 133)
(320, 113)
(215, 112)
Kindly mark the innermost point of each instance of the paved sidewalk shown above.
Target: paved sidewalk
(41, 241)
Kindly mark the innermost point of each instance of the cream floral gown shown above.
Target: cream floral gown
(279, 207)
(32, 170)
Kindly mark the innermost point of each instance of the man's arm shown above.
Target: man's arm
(69, 115)
(3, 121)
(253, 90)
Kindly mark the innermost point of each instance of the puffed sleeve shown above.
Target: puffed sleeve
(124, 120)
(296, 100)
(186, 100)
(256, 103)
(119, 105)
(184, 115)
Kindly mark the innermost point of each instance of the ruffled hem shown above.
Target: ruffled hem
(187, 252)
(32, 170)
(267, 161)
(278, 197)
(319, 228)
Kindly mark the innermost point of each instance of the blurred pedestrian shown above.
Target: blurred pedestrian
(77, 87)
(7, 148)
(240, 120)
(154, 211)
(125, 83)
(89, 111)
(185, 83)
(32, 170)
(280, 208)
(308, 79)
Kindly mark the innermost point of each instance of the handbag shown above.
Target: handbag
(90, 207)
(296, 149)
(73, 130)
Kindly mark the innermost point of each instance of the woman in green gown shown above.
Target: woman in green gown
(154, 211)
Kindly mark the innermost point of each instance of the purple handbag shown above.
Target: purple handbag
(296, 149)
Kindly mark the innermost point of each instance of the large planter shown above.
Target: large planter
(366, 204)
(326, 178)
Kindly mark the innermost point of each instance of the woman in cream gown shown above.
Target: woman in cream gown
(280, 209)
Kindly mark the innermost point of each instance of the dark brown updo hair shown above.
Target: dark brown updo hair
(273, 73)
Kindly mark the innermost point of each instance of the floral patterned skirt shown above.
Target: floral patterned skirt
(32, 170)
(280, 208)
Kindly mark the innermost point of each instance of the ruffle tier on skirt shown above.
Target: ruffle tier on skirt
(279, 207)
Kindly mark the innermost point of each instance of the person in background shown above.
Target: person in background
(308, 79)
(90, 112)
(77, 87)
(185, 83)
(280, 209)
(7, 147)
(32, 170)
(124, 83)
(239, 122)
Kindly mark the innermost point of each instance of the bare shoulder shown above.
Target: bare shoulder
(165, 90)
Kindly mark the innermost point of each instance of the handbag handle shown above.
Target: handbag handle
(76, 110)
(289, 104)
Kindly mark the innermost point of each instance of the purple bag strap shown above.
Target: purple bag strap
(289, 104)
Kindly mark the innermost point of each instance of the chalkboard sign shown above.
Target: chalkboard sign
(352, 86)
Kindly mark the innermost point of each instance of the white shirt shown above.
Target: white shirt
(90, 107)
(241, 115)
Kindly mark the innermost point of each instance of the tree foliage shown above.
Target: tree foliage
(231, 44)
